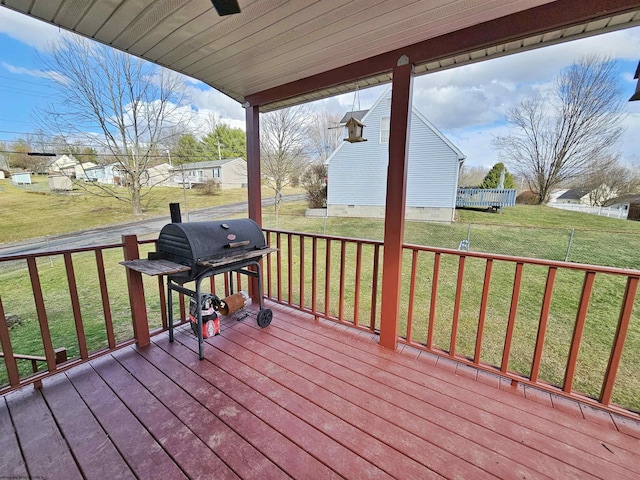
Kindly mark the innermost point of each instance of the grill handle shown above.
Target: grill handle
(242, 243)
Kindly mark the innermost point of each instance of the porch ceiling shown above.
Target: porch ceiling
(277, 53)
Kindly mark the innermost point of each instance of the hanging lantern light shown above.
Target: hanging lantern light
(636, 96)
(355, 128)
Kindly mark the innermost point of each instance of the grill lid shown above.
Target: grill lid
(194, 242)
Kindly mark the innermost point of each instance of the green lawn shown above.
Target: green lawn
(515, 232)
(32, 211)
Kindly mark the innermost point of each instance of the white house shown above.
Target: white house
(63, 164)
(230, 172)
(357, 180)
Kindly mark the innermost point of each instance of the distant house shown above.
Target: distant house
(158, 175)
(100, 173)
(21, 178)
(231, 173)
(63, 164)
(81, 169)
(630, 203)
(587, 196)
(358, 171)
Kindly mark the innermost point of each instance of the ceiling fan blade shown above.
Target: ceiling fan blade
(226, 7)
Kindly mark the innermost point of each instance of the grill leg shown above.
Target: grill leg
(199, 317)
(259, 274)
(170, 309)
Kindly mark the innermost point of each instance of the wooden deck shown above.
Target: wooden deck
(299, 399)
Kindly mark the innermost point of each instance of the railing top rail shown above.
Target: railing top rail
(627, 272)
(48, 253)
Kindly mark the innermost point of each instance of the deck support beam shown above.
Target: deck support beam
(253, 178)
(401, 99)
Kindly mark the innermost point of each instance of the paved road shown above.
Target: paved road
(113, 233)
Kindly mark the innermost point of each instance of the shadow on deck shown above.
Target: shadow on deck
(300, 399)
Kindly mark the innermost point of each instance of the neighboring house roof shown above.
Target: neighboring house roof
(574, 194)
(358, 115)
(626, 198)
(208, 164)
(63, 161)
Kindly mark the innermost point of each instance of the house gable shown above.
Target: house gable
(357, 172)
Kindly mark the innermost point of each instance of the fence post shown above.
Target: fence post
(566, 258)
(136, 293)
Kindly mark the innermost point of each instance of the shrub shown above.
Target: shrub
(314, 182)
(210, 187)
(527, 198)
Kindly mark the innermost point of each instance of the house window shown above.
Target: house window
(385, 124)
(200, 173)
(216, 173)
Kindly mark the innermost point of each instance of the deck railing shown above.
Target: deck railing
(566, 328)
(528, 320)
(72, 300)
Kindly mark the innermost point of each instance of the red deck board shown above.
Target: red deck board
(242, 458)
(263, 358)
(91, 446)
(386, 458)
(11, 461)
(305, 435)
(551, 440)
(195, 458)
(547, 419)
(142, 453)
(388, 389)
(302, 398)
(45, 451)
(283, 452)
(355, 389)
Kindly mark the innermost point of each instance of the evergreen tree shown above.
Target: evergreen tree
(492, 179)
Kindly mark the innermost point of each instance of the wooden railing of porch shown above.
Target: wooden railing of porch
(339, 279)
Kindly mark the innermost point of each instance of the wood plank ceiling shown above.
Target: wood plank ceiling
(276, 43)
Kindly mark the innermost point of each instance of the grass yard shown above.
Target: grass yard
(592, 239)
(32, 211)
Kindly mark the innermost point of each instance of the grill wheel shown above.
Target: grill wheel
(264, 317)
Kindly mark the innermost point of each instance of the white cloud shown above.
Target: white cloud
(35, 33)
(48, 74)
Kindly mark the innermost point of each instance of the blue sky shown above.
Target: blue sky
(467, 103)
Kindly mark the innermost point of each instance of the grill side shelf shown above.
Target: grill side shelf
(155, 267)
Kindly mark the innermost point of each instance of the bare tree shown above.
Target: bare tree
(559, 137)
(124, 106)
(471, 176)
(283, 140)
(325, 134)
(610, 181)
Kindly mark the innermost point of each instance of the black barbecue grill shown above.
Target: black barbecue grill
(197, 250)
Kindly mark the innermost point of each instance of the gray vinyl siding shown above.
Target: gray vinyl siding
(358, 171)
